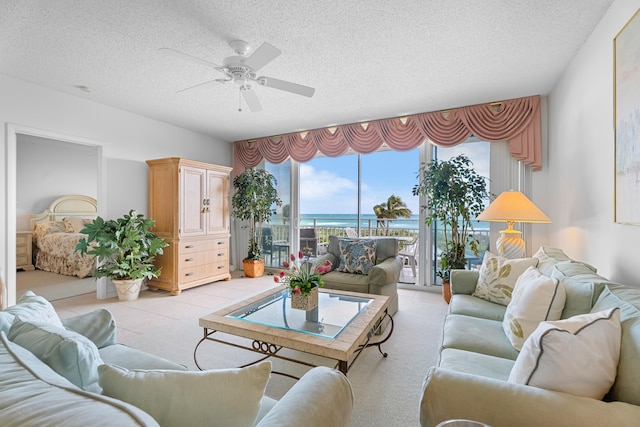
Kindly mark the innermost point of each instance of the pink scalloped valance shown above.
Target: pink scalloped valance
(516, 121)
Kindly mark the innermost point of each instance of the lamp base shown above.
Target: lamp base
(510, 244)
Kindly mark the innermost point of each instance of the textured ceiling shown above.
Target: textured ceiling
(367, 59)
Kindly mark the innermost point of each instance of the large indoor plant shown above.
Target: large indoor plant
(125, 249)
(254, 198)
(455, 195)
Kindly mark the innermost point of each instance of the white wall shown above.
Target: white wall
(47, 169)
(127, 140)
(576, 187)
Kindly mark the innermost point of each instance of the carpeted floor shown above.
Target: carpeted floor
(53, 286)
(386, 390)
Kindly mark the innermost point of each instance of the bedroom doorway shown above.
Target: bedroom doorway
(50, 184)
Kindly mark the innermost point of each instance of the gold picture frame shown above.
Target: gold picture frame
(626, 110)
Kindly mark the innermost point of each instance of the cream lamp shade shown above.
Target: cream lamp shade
(512, 206)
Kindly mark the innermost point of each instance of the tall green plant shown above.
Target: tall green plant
(455, 195)
(125, 248)
(253, 200)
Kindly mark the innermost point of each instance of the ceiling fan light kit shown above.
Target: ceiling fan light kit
(242, 70)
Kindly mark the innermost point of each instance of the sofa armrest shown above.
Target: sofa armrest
(99, 326)
(464, 281)
(322, 397)
(450, 395)
(385, 273)
(321, 260)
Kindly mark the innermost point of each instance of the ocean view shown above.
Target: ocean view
(366, 221)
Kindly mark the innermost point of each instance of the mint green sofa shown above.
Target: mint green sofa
(382, 278)
(470, 380)
(52, 371)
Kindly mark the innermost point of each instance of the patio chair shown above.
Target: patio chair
(351, 233)
(308, 239)
(409, 252)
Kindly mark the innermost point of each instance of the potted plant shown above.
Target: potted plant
(302, 280)
(455, 195)
(254, 198)
(125, 249)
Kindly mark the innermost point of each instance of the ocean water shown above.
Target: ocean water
(366, 221)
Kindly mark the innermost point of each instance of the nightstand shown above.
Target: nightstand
(24, 244)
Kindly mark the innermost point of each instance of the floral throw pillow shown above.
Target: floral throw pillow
(498, 276)
(357, 256)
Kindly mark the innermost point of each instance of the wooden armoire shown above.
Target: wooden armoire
(190, 203)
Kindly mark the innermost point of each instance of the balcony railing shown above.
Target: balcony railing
(371, 228)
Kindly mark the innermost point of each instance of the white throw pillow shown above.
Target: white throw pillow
(224, 397)
(578, 355)
(535, 298)
(498, 276)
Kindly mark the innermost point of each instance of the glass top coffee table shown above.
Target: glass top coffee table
(343, 324)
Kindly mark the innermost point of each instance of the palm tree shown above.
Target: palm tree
(393, 208)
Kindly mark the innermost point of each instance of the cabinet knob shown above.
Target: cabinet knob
(189, 259)
(188, 247)
(189, 274)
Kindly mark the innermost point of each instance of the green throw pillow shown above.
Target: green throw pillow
(225, 397)
(30, 307)
(357, 256)
(68, 353)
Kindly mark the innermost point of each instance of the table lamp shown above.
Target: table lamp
(512, 206)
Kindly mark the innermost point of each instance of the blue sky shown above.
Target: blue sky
(330, 185)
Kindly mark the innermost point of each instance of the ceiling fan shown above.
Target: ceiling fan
(242, 70)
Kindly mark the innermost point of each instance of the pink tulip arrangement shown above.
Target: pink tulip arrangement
(299, 276)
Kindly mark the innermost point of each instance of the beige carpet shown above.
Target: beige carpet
(386, 390)
(53, 286)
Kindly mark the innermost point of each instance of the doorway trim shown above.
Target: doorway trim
(12, 132)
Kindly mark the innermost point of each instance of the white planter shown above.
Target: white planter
(128, 290)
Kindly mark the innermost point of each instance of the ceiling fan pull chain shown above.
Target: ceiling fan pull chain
(240, 100)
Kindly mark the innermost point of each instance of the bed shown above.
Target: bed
(56, 231)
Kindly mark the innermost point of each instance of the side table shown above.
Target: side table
(24, 247)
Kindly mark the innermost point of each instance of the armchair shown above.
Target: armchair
(382, 278)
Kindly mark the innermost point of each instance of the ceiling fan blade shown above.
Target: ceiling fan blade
(190, 58)
(262, 56)
(198, 85)
(251, 98)
(288, 86)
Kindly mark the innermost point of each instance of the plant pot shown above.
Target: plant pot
(253, 268)
(305, 302)
(128, 290)
(446, 290)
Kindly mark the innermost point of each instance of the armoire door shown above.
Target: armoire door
(193, 197)
(217, 204)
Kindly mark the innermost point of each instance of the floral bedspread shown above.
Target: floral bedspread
(55, 252)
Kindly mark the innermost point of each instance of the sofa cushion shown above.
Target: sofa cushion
(535, 298)
(132, 358)
(225, 397)
(476, 307)
(582, 285)
(68, 353)
(98, 325)
(357, 257)
(578, 355)
(477, 335)
(32, 394)
(625, 388)
(548, 258)
(475, 363)
(498, 276)
(30, 307)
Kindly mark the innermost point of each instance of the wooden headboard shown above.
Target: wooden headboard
(66, 206)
